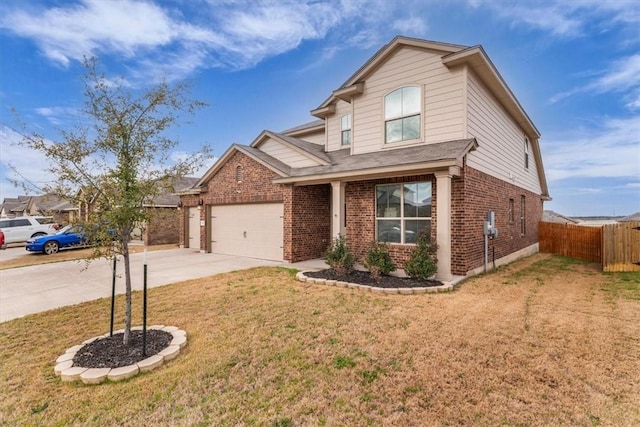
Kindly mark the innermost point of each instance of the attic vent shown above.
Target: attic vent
(239, 174)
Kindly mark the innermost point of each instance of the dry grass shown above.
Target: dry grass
(30, 258)
(545, 341)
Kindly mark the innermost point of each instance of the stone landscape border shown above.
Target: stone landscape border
(67, 372)
(447, 287)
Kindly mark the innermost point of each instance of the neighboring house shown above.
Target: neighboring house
(424, 136)
(46, 205)
(551, 216)
(164, 211)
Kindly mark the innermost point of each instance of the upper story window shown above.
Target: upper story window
(345, 127)
(526, 153)
(402, 114)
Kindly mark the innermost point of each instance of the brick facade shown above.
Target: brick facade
(307, 212)
(307, 222)
(163, 226)
(473, 195)
(223, 188)
(360, 198)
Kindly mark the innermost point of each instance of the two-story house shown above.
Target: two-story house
(424, 136)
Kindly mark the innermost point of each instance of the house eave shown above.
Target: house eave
(348, 92)
(325, 111)
(453, 165)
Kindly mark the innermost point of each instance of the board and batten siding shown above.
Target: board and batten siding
(285, 154)
(500, 151)
(442, 91)
(334, 126)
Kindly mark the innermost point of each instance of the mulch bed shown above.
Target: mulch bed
(109, 352)
(364, 278)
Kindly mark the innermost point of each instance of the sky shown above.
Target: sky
(574, 65)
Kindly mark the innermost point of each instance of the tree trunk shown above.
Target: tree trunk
(127, 281)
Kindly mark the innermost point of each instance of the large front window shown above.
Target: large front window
(403, 211)
(402, 114)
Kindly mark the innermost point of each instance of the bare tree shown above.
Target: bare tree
(120, 161)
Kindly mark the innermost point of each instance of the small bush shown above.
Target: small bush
(378, 260)
(423, 262)
(339, 256)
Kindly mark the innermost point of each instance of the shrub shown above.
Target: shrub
(423, 262)
(378, 260)
(339, 256)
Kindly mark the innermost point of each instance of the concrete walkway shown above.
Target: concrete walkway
(43, 287)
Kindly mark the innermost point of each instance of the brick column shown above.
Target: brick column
(337, 209)
(443, 225)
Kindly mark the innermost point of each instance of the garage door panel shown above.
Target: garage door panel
(248, 230)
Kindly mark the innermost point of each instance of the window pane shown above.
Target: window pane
(413, 228)
(394, 131)
(346, 122)
(388, 201)
(393, 105)
(410, 100)
(417, 200)
(346, 137)
(411, 128)
(389, 230)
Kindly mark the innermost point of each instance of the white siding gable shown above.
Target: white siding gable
(442, 92)
(315, 138)
(500, 151)
(286, 154)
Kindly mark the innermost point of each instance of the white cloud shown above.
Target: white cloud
(562, 18)
(60, 116)
(609, 152)
(158, 42)
(30, 164)
(622, 76)
(412, 26)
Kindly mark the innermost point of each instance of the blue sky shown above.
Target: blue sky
(574, 65)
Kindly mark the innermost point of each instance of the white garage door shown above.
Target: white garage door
(253, 231)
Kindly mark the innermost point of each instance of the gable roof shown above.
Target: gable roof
(259, 156)
(379, 58)
(312, 151)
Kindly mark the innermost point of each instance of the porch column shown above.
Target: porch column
(337, 209)
(443, 224)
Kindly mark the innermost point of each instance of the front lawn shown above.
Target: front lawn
(544, 341)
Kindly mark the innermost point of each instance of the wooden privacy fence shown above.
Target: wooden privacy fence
(576, 241)
(616, 246)
(621, 246)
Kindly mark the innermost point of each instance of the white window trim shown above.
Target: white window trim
(415, 141)
(527, 158)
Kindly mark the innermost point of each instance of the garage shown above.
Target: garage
(251, 230)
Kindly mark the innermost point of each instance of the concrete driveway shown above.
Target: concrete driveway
(33, 289)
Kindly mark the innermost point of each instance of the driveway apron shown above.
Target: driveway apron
(38, 288)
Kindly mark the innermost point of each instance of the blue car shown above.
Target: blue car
(68, 237)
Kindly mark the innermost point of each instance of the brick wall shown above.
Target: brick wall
(307, 221)
(361, 211)
(474, 194)
(163, 226)
(224, 189)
